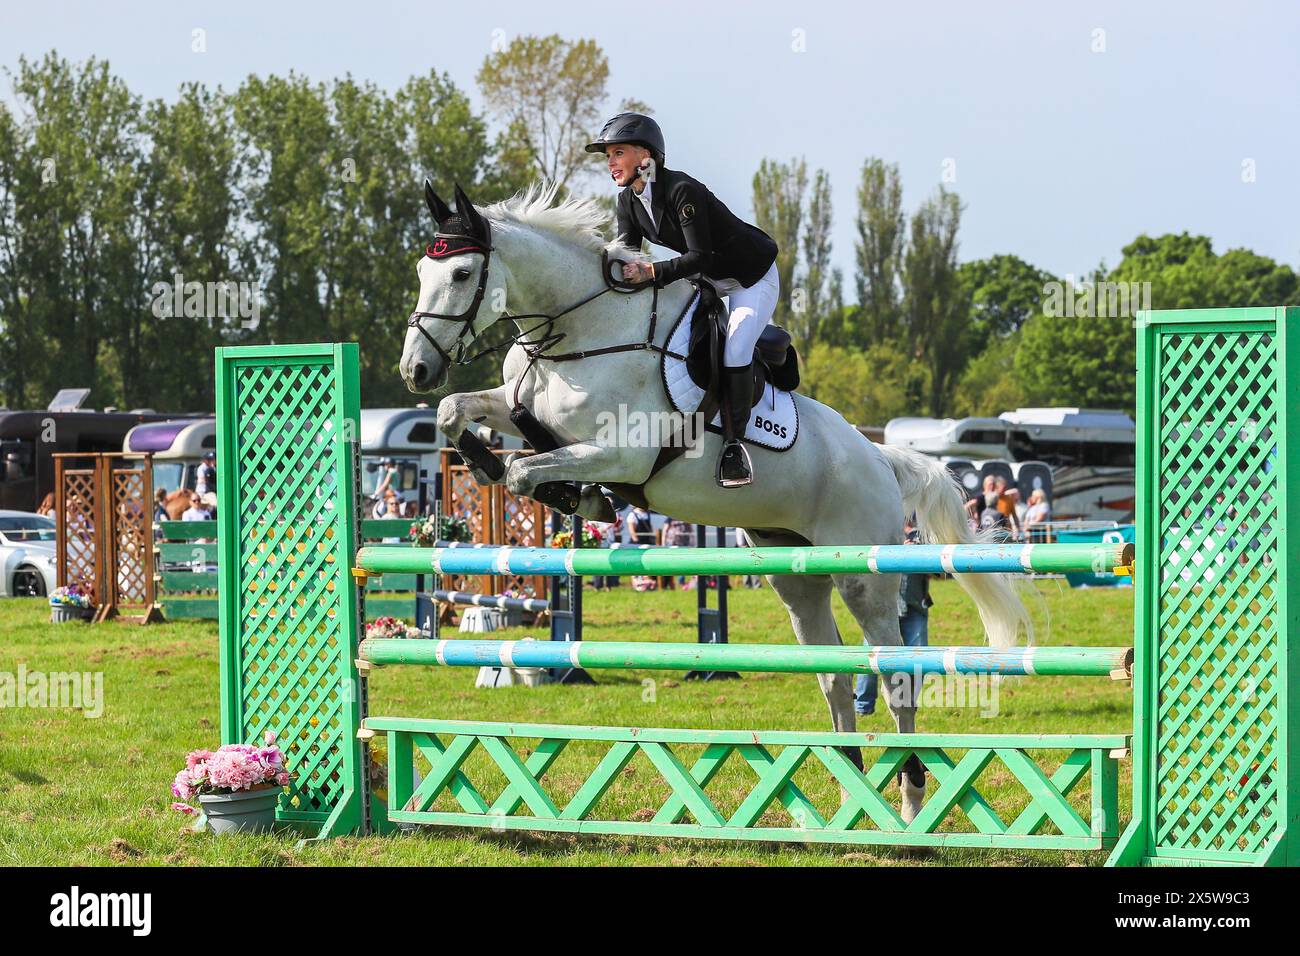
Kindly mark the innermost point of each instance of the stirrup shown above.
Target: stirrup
(747, 465)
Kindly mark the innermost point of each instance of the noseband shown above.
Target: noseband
(470, 315)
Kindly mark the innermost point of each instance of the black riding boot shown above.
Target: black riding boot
(734, 467)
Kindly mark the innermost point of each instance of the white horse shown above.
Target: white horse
(834, 487)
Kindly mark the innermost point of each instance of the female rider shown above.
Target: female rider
(671, 209)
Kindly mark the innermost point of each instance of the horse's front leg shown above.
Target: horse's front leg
(584, 462)
(457, 414)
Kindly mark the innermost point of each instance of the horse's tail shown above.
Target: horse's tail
(934, 495)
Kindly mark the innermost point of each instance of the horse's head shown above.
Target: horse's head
(450, 313)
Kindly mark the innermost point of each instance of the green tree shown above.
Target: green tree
(333, 186)
(821, 285)
(1088, 359)
(867, 386)
(1005, 291)
(309, 192)
(511, 169)
(284, 130)
(800, 224)
(72, 197)
(779, 190)
(444, 139)
(878, 253)
(989, 385)
(1082, 362)
(1185, 273)
(19, 335)
(936, 306)
(450, 145)
(548, 91)
(190, 203)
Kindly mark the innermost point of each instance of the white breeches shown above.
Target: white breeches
(749, 312)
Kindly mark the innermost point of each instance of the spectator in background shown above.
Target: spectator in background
(160, 505)
(640, 526)
(389, 468)
(389, 505)
(984, 509)
(679, 534)
(197, 511)
(914, 605)
(46, 506)
(974, 508)
(994, 509)
(1037, 514)
(395, 503)
(641, 530)
(1006, 503)
(610, 534)
(205, 480)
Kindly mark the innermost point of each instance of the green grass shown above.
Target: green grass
(79, 791)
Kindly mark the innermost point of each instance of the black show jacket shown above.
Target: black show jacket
(713, 241)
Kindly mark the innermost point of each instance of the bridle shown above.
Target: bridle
(470, 315)
(535, 349)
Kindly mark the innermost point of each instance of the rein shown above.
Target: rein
(535, 349)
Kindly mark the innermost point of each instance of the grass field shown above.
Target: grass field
(81, 791)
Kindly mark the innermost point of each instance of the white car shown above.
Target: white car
(26, 554)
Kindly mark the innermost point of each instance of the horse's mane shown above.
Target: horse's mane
(581, 220)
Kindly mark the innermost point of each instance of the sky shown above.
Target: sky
(1067, 129)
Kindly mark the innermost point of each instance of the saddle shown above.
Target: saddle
(775, 360)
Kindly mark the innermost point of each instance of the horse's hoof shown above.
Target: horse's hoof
(911, 786)
(594, 505)
(560, 495)
(912, 802)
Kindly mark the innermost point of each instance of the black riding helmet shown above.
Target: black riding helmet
(635, 128)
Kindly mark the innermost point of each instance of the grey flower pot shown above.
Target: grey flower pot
(62, 613)
(247, 811)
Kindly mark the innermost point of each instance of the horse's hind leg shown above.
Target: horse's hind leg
(808, 600)
(873, 601)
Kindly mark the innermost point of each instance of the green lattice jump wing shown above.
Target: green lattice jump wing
(286, 484)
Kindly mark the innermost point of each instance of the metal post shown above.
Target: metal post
(426, 612)
(566, 614)
(711, 623)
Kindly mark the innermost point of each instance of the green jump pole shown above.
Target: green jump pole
(872, 559)
(772, 658)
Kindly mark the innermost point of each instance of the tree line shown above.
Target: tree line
(136, 235)
(932, 335)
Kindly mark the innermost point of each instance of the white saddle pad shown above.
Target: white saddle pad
(773, 422)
